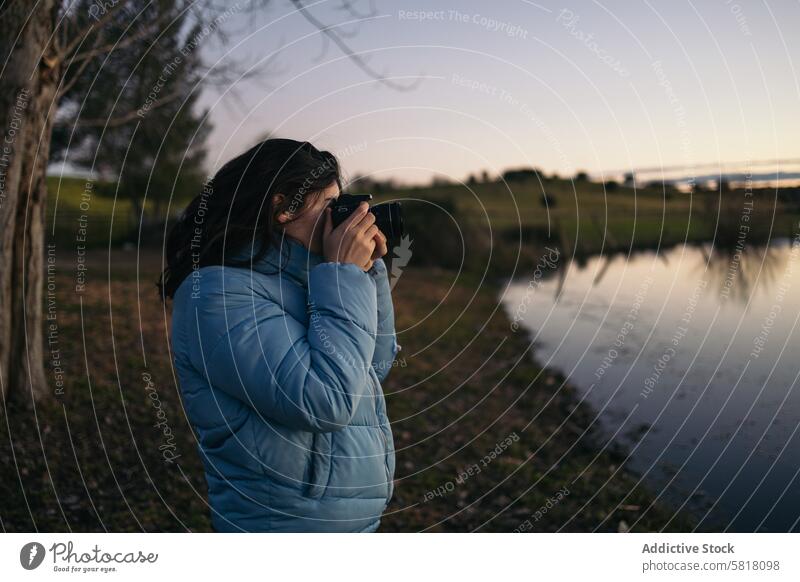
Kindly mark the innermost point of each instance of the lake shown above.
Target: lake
(690, 357)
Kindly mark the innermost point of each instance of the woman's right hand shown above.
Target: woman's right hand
(353, 241)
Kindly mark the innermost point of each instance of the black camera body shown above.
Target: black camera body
(388, 216)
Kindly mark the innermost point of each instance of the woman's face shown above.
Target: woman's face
(307, 228)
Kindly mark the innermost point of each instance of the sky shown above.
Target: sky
(602, 87)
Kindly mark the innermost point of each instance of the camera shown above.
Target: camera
(388, 216)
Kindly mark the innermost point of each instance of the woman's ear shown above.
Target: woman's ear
(277, 202)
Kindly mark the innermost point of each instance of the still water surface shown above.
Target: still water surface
(691, 358)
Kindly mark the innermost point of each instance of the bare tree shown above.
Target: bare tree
(44, 47)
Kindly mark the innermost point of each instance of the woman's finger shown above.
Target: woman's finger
(356, 217)
(381, 246)
(365, 223)
(371, 233)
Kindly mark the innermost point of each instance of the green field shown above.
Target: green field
(108, 218)
(582, 216)
(586, 217)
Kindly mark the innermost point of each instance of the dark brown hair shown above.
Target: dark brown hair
(237, 210)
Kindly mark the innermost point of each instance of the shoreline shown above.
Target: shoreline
(485, 439)
(556, 443)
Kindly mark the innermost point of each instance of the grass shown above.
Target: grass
(586, 218)
(468, 392)
(464, 386)
(74, 203)
(91, 462)
(72, 200)
(583, 216)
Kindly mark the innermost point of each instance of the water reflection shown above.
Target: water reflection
(692, 354)
(736, 273)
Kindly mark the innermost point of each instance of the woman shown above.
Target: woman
(282, 331)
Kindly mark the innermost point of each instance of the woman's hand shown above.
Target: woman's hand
(354, 240)
(381, 249)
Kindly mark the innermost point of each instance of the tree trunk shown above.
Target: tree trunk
(27, 108)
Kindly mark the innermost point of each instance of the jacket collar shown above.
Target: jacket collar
(288, 258)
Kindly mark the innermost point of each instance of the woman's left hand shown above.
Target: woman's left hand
(381, 249)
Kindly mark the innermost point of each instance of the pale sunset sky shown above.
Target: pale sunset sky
(563, 86)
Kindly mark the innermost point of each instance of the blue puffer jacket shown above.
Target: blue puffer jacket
(280, 376)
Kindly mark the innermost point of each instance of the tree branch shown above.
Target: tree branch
(349, 7)
(358, 60)
(126, 118)
(80, 35)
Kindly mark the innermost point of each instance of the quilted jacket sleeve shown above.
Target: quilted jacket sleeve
(386, 346)
(307, 378)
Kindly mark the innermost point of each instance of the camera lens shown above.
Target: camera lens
(389, 219)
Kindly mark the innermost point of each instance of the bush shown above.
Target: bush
(611, 186)
(436, 230)
(521, 175)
